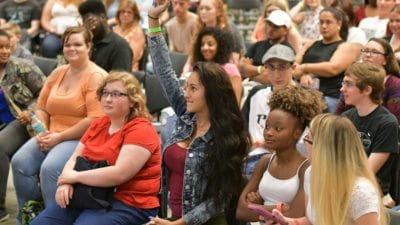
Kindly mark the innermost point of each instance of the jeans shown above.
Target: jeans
(29, 162)
(51, 46)
(11, 138)
(331, 103)
(120, 214)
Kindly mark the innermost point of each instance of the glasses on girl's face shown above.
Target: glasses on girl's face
(113, 94)
(307, 139)
(372, 52)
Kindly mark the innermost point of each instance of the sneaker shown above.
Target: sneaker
(3, 215)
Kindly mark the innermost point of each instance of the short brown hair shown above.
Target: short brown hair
(87, 35)
(368, 74)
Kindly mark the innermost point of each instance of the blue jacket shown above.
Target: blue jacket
(195, 210)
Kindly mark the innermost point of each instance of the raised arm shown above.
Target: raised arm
(161, 61)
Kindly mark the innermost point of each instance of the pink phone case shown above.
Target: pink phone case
(266, 214)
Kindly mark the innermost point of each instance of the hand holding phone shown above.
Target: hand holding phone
(266, 214)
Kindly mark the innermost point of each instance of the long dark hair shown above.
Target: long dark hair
(391, 66)
(224, 41)
(222, 167)
(339, 16)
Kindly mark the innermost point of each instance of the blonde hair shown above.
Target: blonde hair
(133, 90)
(12, 28)
(222, 17)
(281, 4)
(338, 159)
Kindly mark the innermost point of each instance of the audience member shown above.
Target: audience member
(205, 133)
(328, 58)
(20, 83)
(377, 127)
(379, 52)
(66, 105)
(110, 51)
(368, 9)
(394, 26)
(215, 45)
(340, 186)
(128, 27)
(259, 33)
(278, 179)
(376, 26)
(211, 13)
(251, 65)
(306, 15)
(17, 50)
(57, 16)
(123, 136)
(278, 62)
(181, 27)
(25, 13)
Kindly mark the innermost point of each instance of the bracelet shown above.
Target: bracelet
(154, 18)
(154, 29)
(259, 69)
(296, 222)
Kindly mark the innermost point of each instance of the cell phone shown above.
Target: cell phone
(266, 214)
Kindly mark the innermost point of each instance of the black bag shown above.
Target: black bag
(88, 197)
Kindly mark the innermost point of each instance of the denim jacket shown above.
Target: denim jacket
(195, 210)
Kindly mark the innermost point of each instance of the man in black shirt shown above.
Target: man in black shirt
(110, 51)
(362, 87)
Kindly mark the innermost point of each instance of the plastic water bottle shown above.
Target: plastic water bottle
(37, 125)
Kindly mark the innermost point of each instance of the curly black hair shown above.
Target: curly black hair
(225, 43)
(303, 103)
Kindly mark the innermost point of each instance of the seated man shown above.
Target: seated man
(110, 51)
(251, 66)
(362, 87)
(181, 28)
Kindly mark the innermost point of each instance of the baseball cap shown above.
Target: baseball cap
(279, 18)
(281, 52)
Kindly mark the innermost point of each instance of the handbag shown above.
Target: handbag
(89, 197)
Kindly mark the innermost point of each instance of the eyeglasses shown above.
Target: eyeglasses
(279, 68)
(306, 139)
(372, 52)
(113, 94)
(348, 84)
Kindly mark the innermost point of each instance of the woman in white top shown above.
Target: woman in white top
(340, 188)
(277, 181)
(57, 16)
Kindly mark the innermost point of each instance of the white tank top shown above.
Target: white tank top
(274, 190)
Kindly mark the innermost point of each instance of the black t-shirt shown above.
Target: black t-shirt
(320, 52)
(379, 133)
(20, 13)
(258, 50)
(112, 53)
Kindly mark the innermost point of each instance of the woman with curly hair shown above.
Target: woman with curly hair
(215, 45)
(277, 181)
(123, 136)
(203, 158)
(340, 186)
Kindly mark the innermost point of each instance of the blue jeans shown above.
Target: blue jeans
(331, 103)
(51, 46)
(29, 162)
(120, 214)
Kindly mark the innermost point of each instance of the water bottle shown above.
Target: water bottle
(37, 125)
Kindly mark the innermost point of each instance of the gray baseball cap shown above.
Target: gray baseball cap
(281, 52)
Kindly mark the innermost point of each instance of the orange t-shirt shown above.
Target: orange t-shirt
(142, 189)
(65, 110)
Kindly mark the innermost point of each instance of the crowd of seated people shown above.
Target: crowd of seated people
(340, 58)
